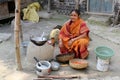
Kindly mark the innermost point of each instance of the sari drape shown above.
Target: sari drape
(71, 30)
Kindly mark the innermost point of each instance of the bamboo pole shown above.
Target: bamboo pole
(21, 34)
(17, 33)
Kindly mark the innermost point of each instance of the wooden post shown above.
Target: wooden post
(116, 18)
(21, 34)
(49, 4)
(88, 5)
(17, 33)
(77, 4)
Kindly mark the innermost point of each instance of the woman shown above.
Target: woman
(74, 36)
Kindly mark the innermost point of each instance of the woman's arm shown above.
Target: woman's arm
(81, 36)
(76, 38)
(60, 43)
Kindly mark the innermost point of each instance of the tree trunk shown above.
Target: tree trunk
(17, 34)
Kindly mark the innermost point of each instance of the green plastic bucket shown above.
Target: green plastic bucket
(104, 52)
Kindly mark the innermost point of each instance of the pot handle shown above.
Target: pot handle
(39, 64)
(36, 59)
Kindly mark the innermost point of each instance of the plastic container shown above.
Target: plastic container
(103, 65)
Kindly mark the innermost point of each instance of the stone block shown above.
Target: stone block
(115, 78)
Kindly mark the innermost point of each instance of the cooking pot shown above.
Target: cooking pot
(43, 68)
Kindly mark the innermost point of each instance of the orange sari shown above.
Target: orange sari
(71, 30)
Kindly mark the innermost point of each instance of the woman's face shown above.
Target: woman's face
(74, 16)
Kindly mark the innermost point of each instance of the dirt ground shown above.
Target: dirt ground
(8, 60)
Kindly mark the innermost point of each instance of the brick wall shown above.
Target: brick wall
(65, 6)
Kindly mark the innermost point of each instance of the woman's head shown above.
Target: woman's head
(74, 14)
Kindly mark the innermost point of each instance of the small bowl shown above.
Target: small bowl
(55, 65)
(38, 40)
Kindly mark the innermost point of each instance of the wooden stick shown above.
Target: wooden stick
(16, 33)
(60, 77)
(43, 79)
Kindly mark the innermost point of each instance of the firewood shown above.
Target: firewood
(59, 77)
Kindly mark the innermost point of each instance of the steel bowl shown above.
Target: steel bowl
(55, 65)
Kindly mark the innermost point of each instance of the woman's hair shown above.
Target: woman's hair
(76, 11)
(58, 27)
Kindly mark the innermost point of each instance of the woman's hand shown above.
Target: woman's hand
(60, 43)
(76, 38)
(70, 42)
